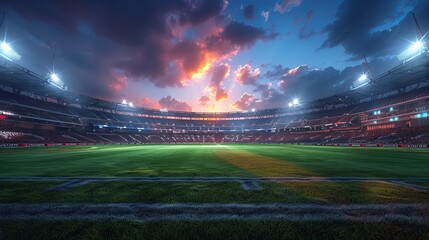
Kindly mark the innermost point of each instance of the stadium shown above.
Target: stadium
(350, 165)
(391, 111)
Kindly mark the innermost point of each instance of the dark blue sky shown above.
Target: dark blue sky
(211, 55)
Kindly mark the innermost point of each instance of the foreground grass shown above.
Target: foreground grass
(217, 192)
(123, 230)
(214, 160)
(425, 184)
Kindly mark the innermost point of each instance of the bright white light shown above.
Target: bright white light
(414, 50)
(253, 110)
(7, 51)
(5, 47)
(417, 46)
(55, 77)
(131, 104)
(290, 104)
(363, 77)
(295, 101)
(124, 101)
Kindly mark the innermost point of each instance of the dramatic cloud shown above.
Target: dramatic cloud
(304, 33)
(204, 101)
(110, 49)
(245, 75)
(190, 57)
(265, 15)
(233, 38)
(269, 98)
(140, 43)
(221, 94)
(245, 102)
(142, 19)
(146, 45)
(245, 35)
(220, 73)
(120, 83)
(313, 83)
(265, 90)
(363, 27)
(173, 104)
(286, 5)
(277, 72)
(305, 83)
(249, 12)
(148, 103)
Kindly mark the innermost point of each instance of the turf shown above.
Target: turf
(122, 230)
(218, 192)
(214, 160)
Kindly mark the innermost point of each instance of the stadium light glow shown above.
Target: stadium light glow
(414, 50)
(417, 46)
(363, 77)
(295, 101)
(55, 80)
(7, 51)
(253, 110)
(131, 104)
(360, 82)
(5, 47)
(124, 101)
(55, 77)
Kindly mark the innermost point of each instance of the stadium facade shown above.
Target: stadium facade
(391, 109)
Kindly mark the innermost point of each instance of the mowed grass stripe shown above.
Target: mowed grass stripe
(204, 192)
(349, 161)
(259, 165)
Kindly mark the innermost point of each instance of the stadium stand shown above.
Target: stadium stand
(392, 110)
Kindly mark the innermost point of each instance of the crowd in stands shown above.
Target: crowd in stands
(410, 136)
(349, 124)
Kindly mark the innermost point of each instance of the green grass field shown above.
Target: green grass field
(212, 161)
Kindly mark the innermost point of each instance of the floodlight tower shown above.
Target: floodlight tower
(366, 76)
(364, 79)
(367, 66)
(418, 47)
(421, 35)
(294, 103)
(6, 49)
(53, 78)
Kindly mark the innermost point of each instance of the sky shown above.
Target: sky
(211, 55)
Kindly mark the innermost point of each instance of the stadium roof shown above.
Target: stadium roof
(406, 74)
